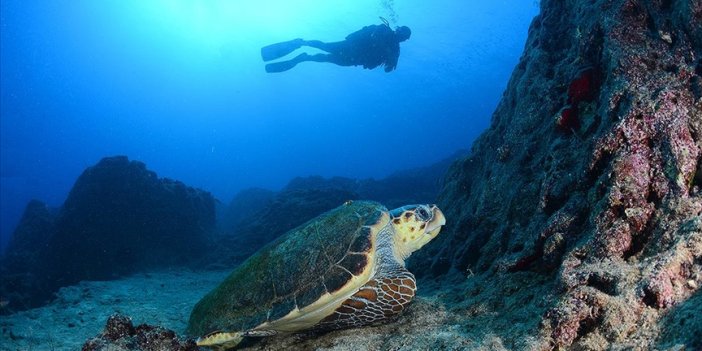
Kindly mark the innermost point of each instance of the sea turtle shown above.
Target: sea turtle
(345, 268)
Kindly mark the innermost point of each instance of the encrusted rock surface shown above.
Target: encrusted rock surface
(121, 334)
(600, 187)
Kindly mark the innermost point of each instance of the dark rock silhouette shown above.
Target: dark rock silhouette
(119, 218)
(288, 209)
(23, 260)
(123, 218)
(416, 185)
(255, 217)
(243, 206)
(35, 227)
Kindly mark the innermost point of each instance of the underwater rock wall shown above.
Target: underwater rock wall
(589, 175)
(119, 218)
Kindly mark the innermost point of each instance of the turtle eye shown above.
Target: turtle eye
(423, 213)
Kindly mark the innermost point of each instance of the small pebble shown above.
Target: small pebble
(665, 36)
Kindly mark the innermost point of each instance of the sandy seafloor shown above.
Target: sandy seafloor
(477, 313)
(80, 311)
(166, 298)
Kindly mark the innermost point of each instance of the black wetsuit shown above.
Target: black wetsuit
(369, 47)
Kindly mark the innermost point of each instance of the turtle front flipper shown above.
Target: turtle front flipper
(220, 341)
(381, 299)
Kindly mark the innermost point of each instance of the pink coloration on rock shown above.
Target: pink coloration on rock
(567, 119)
(583, 87)
(658, 292)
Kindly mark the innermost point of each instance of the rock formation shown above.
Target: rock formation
(119, 218)
(243, 207)
(20, 285)
(588, 179)
(120, 334)
(123, 218)
(286, 210)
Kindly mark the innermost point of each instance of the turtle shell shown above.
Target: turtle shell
(297, 275)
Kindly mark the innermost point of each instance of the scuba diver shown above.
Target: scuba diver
(369, 47)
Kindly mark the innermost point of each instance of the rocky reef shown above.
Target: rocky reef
(119, 218)
(588, 178)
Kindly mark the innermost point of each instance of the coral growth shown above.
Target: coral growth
(584, 86)
(567, 119)
(120, 334)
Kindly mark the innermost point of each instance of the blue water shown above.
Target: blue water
(180, 85)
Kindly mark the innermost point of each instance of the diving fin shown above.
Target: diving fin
(282, 66)
(278, 50)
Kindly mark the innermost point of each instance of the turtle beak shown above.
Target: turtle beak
(436, 222)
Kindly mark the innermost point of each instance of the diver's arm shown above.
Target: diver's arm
(391, 61)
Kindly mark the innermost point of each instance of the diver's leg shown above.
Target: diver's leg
(328, 47)
(331, 58)
(317, 57)
(278, 50)
(286, 65)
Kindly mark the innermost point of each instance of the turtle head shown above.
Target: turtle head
(414, 226)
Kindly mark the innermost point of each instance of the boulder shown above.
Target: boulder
(122, 218)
